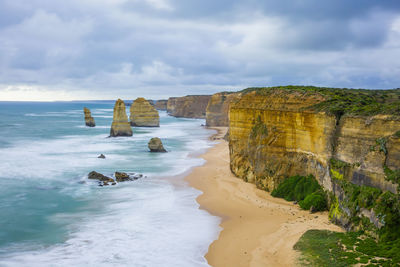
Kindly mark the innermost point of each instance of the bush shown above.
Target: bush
(298, 188)
(316, 200)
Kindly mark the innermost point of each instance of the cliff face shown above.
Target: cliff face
(280, 133)
(161, 104)
(89, 120)
(191, 106)
(142, 114)
(218, 108)
(120, 125)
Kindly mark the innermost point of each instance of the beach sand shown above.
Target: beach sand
(258, 230)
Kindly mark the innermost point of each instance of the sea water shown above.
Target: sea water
(52, 215)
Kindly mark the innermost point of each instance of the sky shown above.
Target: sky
(108, 49)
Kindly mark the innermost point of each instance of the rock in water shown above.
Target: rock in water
(120, 125)
(89, 121)
(121, 177)
(98, 176)
(155, 145)
(143, 114)
(101, 156)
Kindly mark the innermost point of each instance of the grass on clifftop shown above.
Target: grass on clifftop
(303, 189)
(326, 248)
(340, 101)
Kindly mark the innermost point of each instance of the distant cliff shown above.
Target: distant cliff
(348, 139)
(161, 104)
(218, 108)
(191, 106)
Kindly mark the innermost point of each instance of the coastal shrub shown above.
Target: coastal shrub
(298, 188)
(327, 248)
(341, 101)
(317, 200)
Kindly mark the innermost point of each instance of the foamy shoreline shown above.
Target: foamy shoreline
(258, 230)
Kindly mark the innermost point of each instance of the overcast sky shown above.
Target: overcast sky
(105, 49)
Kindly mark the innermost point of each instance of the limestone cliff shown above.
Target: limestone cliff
(191, 106)
(161, 104)
(120, 125)
(89, 120)
(280, 132)
(142, 114)
(218, 108)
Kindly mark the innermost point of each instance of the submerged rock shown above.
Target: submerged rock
(155, 145)
(89, 120)
(101, 156)
(143, 114)
(120, 125)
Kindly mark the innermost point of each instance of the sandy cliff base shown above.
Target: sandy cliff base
(258, 230)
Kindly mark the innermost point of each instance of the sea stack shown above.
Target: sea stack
(89, 121)
(155, 145)
(120, 125)
(143, 114)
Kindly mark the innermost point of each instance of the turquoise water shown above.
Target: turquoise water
(51, 214)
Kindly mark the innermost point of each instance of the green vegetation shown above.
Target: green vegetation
(326, 248)
(386, 207)
(338, 164)
(259, 129)
(340, 101)
(305, 190)
(381, 142)
(393, 176)
(397, 134)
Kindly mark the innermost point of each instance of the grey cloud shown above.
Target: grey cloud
(161, 45)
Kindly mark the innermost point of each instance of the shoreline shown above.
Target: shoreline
(257, 229)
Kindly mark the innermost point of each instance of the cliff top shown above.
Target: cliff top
(340, 101)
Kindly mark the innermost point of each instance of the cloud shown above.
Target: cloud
(159, 48)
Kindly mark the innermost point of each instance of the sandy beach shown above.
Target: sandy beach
(258, 230)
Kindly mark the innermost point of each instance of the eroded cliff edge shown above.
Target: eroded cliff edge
(218, 108)
(191, 106)
(348, 139)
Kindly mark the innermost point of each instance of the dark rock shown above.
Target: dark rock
(101, 156)
(155, 145)
(226, 136)
(98, 176)
(313, 209)
(122, 176)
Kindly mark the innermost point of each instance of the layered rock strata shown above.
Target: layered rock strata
(191, 106)
(281, 133)
(142, 114)
(89, 120)
(120, 125)
(218, 108)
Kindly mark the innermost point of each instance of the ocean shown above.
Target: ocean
(52, 215)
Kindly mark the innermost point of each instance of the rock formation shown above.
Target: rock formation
(161, 104)
(191, 106)
(120, 125)
(280, 132)
(101, 156)
(103, 180)
(143, 114)
(218, 108)
(155, 145)
(89, 120)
